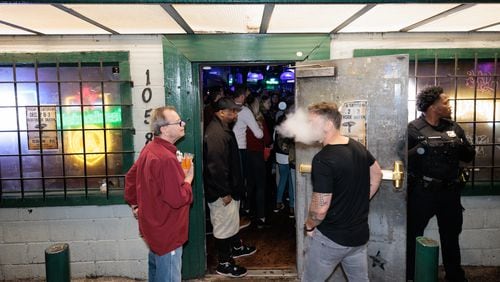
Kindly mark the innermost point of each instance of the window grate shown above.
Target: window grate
(472, 85)
(71, 135)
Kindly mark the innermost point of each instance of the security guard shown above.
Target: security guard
(436, 145)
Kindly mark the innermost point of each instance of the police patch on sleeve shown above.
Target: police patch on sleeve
(451, 133)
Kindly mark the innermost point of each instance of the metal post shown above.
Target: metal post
(57, 263)
(426, 260)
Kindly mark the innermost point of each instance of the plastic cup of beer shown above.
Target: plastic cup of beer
(186, 161)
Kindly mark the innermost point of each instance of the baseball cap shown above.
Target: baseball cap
(226, 104)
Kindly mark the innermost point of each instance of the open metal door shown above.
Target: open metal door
(181, 91)
(374, 90)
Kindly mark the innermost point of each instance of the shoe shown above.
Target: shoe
(261, 224)
(243, 251)
(244, 222)
(292, 213)
(230, 269)
(279, 206)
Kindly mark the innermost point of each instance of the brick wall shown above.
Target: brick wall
(480, 238)
(103, 241)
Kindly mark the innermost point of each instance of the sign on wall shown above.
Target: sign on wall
(354, 120)
(44, 126)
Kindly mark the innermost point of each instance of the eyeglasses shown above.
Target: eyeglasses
(181, 123)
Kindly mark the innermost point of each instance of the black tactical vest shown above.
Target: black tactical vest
(439, 157)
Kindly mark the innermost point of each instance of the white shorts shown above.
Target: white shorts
(225, 219)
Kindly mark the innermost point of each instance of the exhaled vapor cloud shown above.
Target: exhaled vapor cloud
(297, 126)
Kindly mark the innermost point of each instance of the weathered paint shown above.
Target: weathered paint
(252, 47)
(383, 82)
(181, 91)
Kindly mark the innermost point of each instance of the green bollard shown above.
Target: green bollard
(57, 263)
(426, 260)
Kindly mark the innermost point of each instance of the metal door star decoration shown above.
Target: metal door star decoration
(378, 260)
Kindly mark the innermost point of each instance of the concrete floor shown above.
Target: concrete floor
(473, 273)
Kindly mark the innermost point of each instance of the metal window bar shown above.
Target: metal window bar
(474, 124)
(66, 81)
(101, 72)
(83, 130)
(435, 69)
(61, 130)
(97, 176)
(494, 120)
(19, 148)
(63, 159)
(40, 134)
(67, 154)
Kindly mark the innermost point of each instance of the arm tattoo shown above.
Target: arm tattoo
(320, 203)
(314, 218)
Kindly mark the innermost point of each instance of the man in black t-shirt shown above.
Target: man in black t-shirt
(345, 176)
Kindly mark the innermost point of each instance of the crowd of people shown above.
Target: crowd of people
(241, 147)
(267, 158)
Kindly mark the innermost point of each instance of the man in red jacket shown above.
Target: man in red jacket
(159, 192)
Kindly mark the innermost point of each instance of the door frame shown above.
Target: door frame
(182, 56)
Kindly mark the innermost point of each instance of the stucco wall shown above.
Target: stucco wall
(480, 239)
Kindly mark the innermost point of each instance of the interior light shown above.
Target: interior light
(254, 77)
(94, 143)
(299, 54)
(272, 81)
(287, 75)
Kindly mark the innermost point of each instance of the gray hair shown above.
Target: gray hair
(158, 119)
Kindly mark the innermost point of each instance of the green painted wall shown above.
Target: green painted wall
(181, 91)
(252, 47)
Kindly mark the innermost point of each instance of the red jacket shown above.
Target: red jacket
(257, 145)
(156, 184)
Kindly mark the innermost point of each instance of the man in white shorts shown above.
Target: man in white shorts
(223, 187)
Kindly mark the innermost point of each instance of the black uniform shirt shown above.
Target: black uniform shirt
(427, 157)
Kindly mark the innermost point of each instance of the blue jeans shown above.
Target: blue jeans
(323, 255)
(166, 268)
(285, 177)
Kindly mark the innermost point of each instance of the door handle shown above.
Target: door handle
(396, 175)
(305, 168)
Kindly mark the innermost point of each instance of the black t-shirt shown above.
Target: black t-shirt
(344, 171)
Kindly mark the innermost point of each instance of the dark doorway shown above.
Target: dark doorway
(275, 240)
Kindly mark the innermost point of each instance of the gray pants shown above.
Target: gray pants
(323, 255)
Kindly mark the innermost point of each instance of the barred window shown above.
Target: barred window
(471, 78)
(66, 129)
